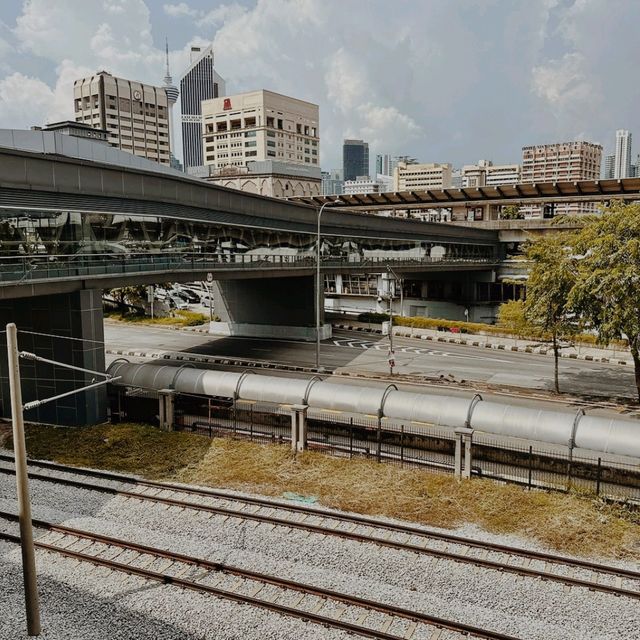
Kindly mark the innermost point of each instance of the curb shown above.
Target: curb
(540, 350)
(228, 361)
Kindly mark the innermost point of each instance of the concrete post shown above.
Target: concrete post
(299, 427)
(166, 404)
(464, 438)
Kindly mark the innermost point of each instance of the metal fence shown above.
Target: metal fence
(422, 446)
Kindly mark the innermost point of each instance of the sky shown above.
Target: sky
(441, 80)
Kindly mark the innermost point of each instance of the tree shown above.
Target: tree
(511, 318)
(607, 290)
(511, 212)
(551, 278)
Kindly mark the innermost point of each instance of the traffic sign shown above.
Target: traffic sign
(209, 277)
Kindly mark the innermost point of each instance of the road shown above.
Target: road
(351, 351)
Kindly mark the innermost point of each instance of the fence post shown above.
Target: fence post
(350, 438)
(598, 476)
(379, 439)
(299, 427)
(464, 437)
(530, 466)
(166, 408)
(401, 446)
(251, 422)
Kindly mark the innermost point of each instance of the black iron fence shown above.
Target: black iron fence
(424, 446)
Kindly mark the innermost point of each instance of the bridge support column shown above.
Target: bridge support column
(267, 308)
(166, 405)
(67, 328)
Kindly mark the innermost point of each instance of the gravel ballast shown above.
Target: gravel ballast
(522, 607)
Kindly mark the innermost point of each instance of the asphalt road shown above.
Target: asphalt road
(351, 351)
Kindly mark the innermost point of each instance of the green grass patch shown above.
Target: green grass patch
(181, 318)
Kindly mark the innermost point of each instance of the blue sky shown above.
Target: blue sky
(442, 80)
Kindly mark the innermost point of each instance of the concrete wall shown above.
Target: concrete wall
(77, 315)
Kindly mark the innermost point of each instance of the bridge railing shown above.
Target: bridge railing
(17, 269)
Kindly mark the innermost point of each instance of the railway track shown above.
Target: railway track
(326, 607)
(450, 547)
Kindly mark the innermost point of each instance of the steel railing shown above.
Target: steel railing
(17, 269)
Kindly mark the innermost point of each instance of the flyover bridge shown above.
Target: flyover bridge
(77, 216)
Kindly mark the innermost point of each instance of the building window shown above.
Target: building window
(271, 143)
(251, 154)
(280, 123)
(251, 134)
(271, 154)
(250, 143)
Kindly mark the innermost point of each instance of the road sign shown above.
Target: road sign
(209, 277)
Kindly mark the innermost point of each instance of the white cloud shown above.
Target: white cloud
(26, 101)
(180, 10)
(562, 82)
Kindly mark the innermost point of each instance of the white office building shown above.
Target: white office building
(622, 162)
(411, 177)
(362, 184)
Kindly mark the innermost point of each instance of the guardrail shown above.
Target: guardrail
(16, 270)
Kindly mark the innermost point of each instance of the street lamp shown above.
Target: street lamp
(318, 287)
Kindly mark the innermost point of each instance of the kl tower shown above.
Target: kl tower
(172, 96)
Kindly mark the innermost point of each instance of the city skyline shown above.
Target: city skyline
(558, 77)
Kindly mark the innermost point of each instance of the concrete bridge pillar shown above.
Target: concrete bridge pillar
(299, 427)
(63, 327)
(267, 308)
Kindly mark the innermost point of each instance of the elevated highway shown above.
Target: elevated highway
(76, 217)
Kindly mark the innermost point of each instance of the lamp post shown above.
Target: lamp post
(401, 281)
(318, 288)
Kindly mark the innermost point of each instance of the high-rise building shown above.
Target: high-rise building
(383, 164)
(362, 184)
(609, 164)
(355, 159)
(563, 161)
(411, 177)
(261, 132)
(622, 164)
(199, 82)
(135, 115)
(332, 183)
(172, 97)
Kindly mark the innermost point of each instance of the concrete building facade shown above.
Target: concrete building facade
(408, 177)
(563, 161)
(265, 178)
(499, 174)
(355, 159)
(135, 115)
(362, 184)
(257, 126)
(199, 82)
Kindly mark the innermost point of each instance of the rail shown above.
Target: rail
(36, 267)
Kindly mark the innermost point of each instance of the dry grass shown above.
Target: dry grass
(571, 523)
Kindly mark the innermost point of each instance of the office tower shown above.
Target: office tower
(199, 82)
(622, 163)
(609, 164)
(562, 162)
(135, 115)
(262, 142)
(355, 159)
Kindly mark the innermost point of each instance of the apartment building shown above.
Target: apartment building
(410, 177)
(563, 161)
(135, 115)
(362, 184)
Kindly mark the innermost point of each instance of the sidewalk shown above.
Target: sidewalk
(578, 352)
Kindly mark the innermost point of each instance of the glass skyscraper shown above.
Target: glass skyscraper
(199, 82)
(355, 159)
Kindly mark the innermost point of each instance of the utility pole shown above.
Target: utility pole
(22, 483)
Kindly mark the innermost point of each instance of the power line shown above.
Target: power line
(53, 335)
